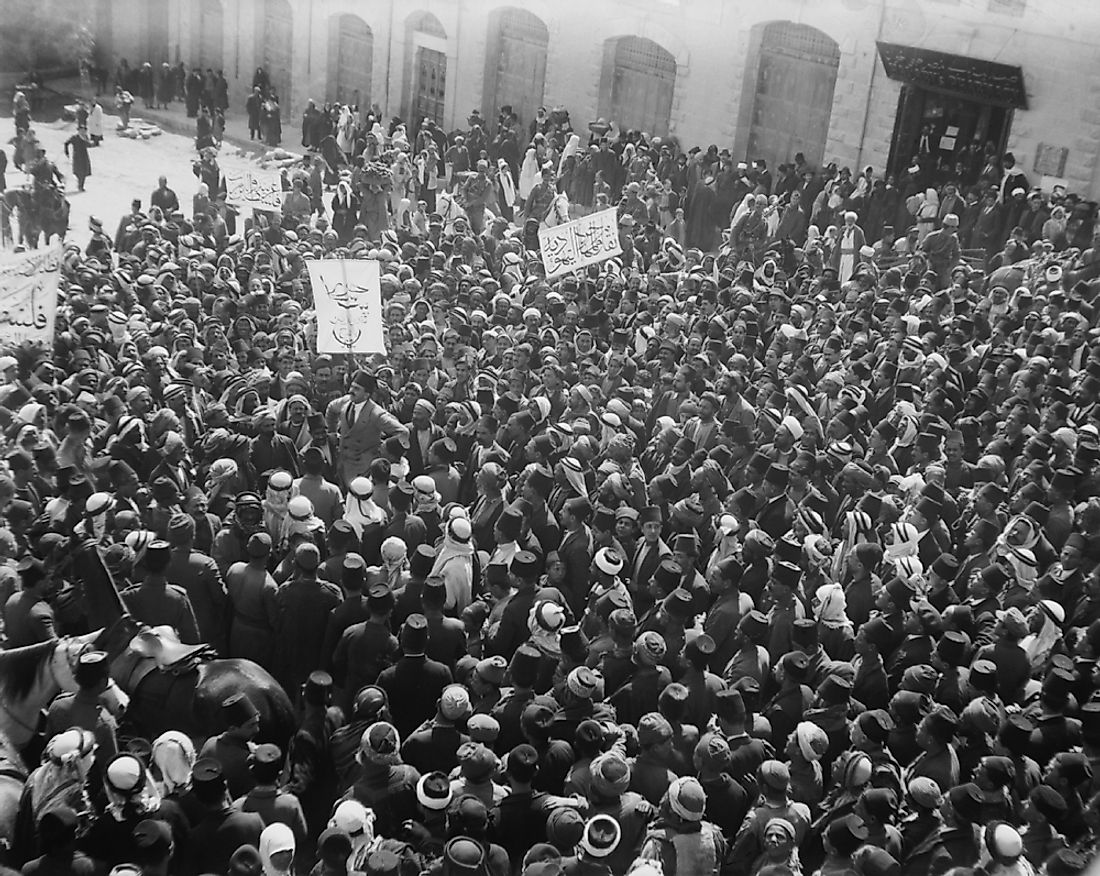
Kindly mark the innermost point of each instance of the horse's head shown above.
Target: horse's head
(67, 654)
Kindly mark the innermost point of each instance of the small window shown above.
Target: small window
(1008, 7)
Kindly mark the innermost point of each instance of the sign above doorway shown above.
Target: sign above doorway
(969, 78)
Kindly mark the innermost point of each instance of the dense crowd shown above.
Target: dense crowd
(766, 548)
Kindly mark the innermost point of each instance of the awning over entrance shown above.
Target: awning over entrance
(968, 78)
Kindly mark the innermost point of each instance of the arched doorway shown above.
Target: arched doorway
(638, 81)
(278, 49)
(211, 19)
(426, 47)
(515, 73)
(793, 102)
(351, 54)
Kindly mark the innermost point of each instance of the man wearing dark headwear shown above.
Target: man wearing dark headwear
(223, 833)
(198, 575)
(938, 760)
(367, 647)
(363, 426)
(254, 614)
(156, 602)
(233, 748)
(303, 605)
(414, 683)
(83, 708)
(28, 617)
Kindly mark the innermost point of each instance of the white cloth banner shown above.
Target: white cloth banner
(579, 243)
(28, 297)
(347, 294)
(259, 191)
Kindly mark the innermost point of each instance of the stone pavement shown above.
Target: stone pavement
(174, 119)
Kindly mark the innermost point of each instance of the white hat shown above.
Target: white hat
(793, 426)
(601, 836)
(300, 508)
(608, 561)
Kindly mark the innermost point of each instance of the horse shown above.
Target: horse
(173, 686)
(558, 214)
(34, 221)
(30, 677)
(449, 210)
(13, 775)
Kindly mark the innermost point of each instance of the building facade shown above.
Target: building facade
(858, 82)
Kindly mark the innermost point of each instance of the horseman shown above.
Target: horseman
(750, 231)
(541, 199)
(477, 189)
(46, 190)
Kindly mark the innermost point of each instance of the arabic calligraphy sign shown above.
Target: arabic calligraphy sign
(579, 243)
(259, 191)
(28, 297)
(969, 78)
(347, 294)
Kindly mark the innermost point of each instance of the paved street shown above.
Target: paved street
(122, 169)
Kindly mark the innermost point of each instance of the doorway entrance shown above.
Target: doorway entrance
(951, 110)
(793, 103)
(431, 85)
(948, 136)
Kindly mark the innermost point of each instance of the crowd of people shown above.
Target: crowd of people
(767, 548)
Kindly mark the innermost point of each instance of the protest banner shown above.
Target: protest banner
(28, 297)
(347, 294)
(577, 244)
(260, 191)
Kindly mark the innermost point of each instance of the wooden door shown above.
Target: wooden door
(642, 85)
(354, 56)
(794, 94)
(521, 65)
(431, 85)
(278, 52)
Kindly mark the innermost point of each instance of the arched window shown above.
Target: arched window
(515, 74)
(638, 84)
(793, 104)
(211, 19)
(351, 55)
(278, 49)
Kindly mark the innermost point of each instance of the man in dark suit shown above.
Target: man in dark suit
(650, 551)
(415, 683)
(363, 425)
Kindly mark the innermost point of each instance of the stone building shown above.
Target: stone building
(859, 82)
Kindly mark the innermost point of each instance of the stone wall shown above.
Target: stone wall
(712, 43)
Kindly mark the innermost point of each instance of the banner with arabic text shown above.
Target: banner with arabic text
(261, 191)
(579, 243)
(347, 294)
(28, 297)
